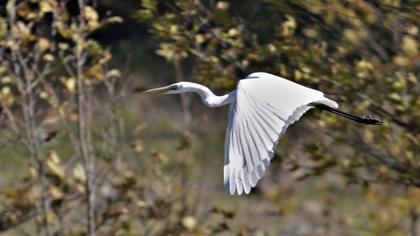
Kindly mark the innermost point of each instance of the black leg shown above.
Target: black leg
(361, 119)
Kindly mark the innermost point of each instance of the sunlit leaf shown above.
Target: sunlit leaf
(45, 6)
(43, 44)
(189, 222)
(409, 45)
(79, 173)
(115, 20)
(70, 84)
(91, 14)
(56, 193)
(114, 73)
(48, 57)
(222, 5)
(54, 167)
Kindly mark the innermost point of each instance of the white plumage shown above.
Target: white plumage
(262, 107)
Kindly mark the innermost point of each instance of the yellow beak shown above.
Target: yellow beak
(158, 90)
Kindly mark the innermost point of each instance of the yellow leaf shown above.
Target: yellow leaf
(44, 95)
(106, 57)
(167, 51)
(173, 29)
(5, 91)
(43, 44)
(233, 32)
(115, 19)
(7, 101)
(364, 65)
(412, 78)
(394, 97)
(73, 117)
(32, 172)
(6, 98)
(350, 35)
(272, 48)
(10, 7)
(3, 28)
(222, 5)
(199, 38)
(95, 72)
(63, 46)
(413, 30)
(48, 57)
(80, 188)
(64, 32)
(149, 4)
(56, 193)
(288, 27)
(51, 217)
(409, 45)
(401, 61)
(113, 74)
(93, 24)
(45, 7)
(189, 223)
(312, 33)
(297, 75)
(91, 14)
(2, 69)
(79, 173)
(141, 204)
(54, 168)
(22, 29)
(70, 85)
(24, 11)
(54, 157)
(214, 59)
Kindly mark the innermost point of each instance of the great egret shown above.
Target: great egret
(262, 107)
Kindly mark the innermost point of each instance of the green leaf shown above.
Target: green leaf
(115, 20)
(394, 97)
(3, 28)
(149, 4)
(143, 15)
(79, 173)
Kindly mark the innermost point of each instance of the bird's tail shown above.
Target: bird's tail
(329, 102)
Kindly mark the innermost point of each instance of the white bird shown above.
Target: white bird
(261, 108)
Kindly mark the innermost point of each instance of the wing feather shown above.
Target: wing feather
(247, 184)
(260, 130)
(245, 146)
(262, 110)
(269, 134)
(239, 185)
(257, 143)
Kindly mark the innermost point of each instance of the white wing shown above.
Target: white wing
(264, 107)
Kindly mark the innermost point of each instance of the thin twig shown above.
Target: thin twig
(82, 110)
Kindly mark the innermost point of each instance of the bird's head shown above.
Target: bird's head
(180, 87)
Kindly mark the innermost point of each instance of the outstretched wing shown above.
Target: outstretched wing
(264, 107)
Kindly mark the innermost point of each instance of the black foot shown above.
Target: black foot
(371, 121)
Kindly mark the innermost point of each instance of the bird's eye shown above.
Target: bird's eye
(173, 87)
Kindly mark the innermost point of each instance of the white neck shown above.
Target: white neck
(207, 96)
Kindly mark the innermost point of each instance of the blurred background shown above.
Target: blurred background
(83, 152)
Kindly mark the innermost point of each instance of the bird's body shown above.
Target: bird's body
(261, 108)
